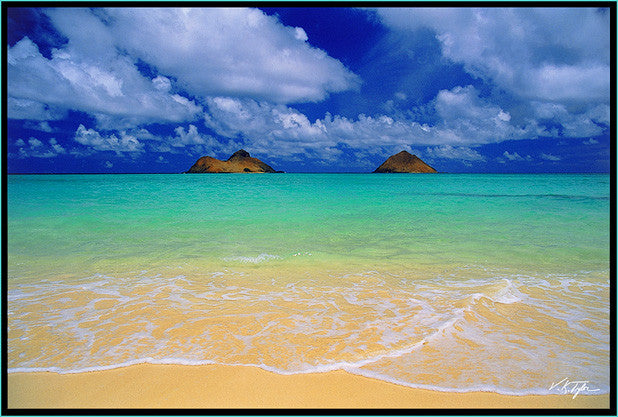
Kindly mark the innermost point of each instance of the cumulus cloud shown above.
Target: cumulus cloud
(41, 88)
(20, 108)
(236, 52)
(35, 148)
(272, 128)
(300, 34)
(56, 146)
(516, 157)
(41, 126)
(465, 121)
(191, 136)
(94, 140)
(473, 120)
(162, 83)
(550, 157)
(461, 153)
(44, 126)
(34, 143)
(590, 123)
(184, 140)
(401, 95)
(554, 61)
(557, 54)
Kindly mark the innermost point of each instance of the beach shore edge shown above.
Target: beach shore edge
(225, 386)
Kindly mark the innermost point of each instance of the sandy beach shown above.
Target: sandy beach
(218, 386)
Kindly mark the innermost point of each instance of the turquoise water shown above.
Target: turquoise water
(553, 222)
(409, 256)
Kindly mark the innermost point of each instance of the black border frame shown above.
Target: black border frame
(611, 5)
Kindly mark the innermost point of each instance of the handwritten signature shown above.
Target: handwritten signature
(572, 387)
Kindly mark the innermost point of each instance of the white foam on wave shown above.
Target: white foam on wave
(262, 257)
(352, 368)
(473, 388)
(141, 361)
(508, 295)
(433, 314)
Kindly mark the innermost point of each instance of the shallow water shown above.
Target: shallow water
(449, 282)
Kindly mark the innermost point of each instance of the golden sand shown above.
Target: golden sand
(219, 386)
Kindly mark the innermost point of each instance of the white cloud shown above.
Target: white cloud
(512, 156)
(590, 142)
(41, 126)
(284, 131)
(516, 157)
(300, 34)
(269, 127)
(540, 53)
(34, 143)
(111, 90)
(19, 108)
(108, 164)
(35, 148)
(464, 104)
(45, 127)
(135, 141)
(236, 52)
(94, 140)
(162, 83)
(550, 157)
(573, 124)
(184, 140)
(556, 58)
(467, 118)
(191, 137)
(599, 114)
(454, 152)
(563, 83)
(56, 146)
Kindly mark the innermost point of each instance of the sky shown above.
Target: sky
(497, 90)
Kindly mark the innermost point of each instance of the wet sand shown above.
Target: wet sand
(219, 386)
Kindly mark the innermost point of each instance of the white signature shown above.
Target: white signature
(572, 387)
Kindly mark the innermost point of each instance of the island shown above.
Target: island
(240, 161)
(404, 162)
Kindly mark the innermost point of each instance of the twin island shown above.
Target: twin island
(241, 161)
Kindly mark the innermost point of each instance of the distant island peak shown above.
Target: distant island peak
(240, 162)
(404, 162)
(239, 154)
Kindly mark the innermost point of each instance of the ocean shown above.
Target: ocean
(450, 282)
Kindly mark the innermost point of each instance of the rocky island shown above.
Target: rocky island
(404, 162)
(240, 161)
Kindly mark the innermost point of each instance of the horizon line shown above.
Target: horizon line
(303, 172)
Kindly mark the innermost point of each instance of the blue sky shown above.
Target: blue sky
(308, 90)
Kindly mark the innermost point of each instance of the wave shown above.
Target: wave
(475, 388)
(354, 369)
(368, 323)
(262, 257)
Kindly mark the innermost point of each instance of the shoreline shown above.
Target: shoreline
(228, 386)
